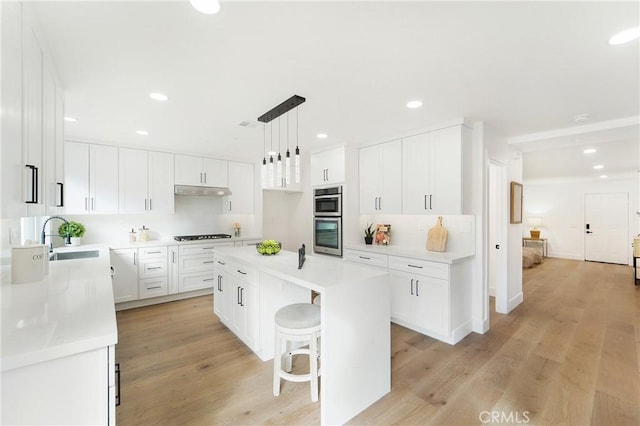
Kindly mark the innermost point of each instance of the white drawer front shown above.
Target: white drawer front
(245, 274)
(196, 282)
(196, 249)
(366, 258)
(152, 268)
(152, 252)
(153, 287)
(190, 264)
(419, 267)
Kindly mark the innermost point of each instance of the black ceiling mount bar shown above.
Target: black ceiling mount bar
(276, 112)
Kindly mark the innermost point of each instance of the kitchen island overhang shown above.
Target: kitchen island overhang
(355, 355)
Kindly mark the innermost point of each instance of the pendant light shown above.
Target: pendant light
(271, 160)
(273, 113)
(287, 160)
(264, 158)
(297, 159)
(279, 164)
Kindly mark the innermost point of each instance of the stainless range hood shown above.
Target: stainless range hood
(201, 190)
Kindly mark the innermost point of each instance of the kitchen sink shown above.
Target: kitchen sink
(81, 254)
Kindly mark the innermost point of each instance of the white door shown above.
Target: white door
(369, 171)
(607, 227)
(241, 184)
(497, 206)
(103, 179)
(161, 179)
(415, 174)
(76, 178)
(124, 275)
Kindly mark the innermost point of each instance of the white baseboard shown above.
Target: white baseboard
(480, 326)
(565, 256)
(492, 292)
(162, 299)
(515, 301)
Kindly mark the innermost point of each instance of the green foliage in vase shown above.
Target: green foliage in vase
(74, 229)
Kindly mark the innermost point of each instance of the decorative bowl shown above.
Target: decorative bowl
(268, 247)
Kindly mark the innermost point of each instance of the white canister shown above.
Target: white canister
(27, 264)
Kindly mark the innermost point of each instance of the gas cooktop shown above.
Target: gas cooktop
(201, 237)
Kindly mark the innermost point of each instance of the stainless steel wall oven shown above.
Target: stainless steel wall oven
(327, 221)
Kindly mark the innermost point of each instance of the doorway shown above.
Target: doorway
(606, 218)
(497, 231)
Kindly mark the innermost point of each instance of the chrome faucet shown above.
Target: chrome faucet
(43, 236)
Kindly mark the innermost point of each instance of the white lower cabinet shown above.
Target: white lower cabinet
(152, 272)
(196, 266)
(124, 275)
(74, 389)
(432, 298)
(173, 269)
(236, 300)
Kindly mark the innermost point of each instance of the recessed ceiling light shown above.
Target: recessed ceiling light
(581, 118)
(598, 167)
(158, 96)
(603, 176)
(322, 136)
(70, 119)
(589, 150)
(414, 104)
(625, 36)
(142, 132)
(208, 7)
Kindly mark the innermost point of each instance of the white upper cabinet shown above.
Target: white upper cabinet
(145, 181)
(53, 142)
(327, 167)
(380, 168)
(91, 176)
(432, 172)
(161, 180)
(32, 146)
(200, 171)
(242, 187)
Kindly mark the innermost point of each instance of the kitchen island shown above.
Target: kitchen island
(355, 357)
(58, 338)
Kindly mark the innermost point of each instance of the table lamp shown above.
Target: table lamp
(534, 222)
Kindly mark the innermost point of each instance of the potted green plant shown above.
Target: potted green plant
(368, 234)
(75, 230)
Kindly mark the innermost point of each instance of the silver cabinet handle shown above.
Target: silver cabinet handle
(93, 204)
(412, 286)
(150, 204)
(208, 279)
(154, 267)
(430, 206)
(154, 252)
(222, 263)
(205, 177)
(425, 201)
(208, 261)
(364, 257)
(242, 272)
(379, 203)
(417, 287)
(173, 257)
(207, 248)
(414, 266)
(134, 258)
(145, 204)
(153, 288)
(86, 203)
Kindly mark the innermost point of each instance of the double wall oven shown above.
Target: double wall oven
(327, 221)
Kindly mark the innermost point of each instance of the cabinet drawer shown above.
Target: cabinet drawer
(196, 249)
(196, 282)
(190, 264)
(152, 268)
(419, 267)
(366, 258)
(152, 252)
(244, 274)
(153, 287)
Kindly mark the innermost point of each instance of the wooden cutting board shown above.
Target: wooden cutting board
(437, 237)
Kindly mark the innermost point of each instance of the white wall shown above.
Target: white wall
(560, 203)
(498, 150)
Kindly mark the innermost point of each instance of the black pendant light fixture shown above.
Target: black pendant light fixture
(284, 107)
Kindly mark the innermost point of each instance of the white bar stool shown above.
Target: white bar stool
(297, 323)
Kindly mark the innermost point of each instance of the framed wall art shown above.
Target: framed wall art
(516, 203)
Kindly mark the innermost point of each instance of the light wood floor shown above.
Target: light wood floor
(569, 355)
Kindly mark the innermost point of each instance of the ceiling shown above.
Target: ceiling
(523, 68)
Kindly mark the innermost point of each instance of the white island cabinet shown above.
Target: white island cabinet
(58, 338)
(355, 313)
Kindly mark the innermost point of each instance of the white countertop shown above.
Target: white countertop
(70, 311)
(171, 242)
(414, 253)
(318, 272)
